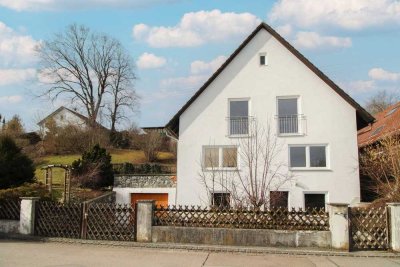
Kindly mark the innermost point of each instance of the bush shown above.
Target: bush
(151, 143)
(94, 170)
(15, 167)
(70, 139)
(26, 190)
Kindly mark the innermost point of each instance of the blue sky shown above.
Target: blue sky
(177, 44)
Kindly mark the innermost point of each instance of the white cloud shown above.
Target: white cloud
(15, 76)
(150, 61)
(16, 48)
(198, 66)
(184, 86)
(197, 28)
(13, 99)
(383, 75)
(347, 14)
(36, 5)
(285, 30)
(312, 40)
(359, 87)
(184, 83)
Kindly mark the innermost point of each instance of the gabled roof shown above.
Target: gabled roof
(387, 123)
(363, 117)
(82, 117)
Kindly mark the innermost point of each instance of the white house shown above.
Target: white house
(63, 117)
(266, 80)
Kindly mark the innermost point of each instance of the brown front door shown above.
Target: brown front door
(160, 198)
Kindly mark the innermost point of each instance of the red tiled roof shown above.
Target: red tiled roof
(387, 122)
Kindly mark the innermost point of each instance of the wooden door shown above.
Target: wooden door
(160, 198)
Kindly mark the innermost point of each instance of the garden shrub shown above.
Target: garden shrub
(26, 190)
(94, 170)
(15, 167)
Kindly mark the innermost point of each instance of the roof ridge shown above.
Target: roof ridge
(173, 124)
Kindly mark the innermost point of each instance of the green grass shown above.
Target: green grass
(117, 156)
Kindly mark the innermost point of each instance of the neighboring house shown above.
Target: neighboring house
(64, 116)
(387, 124)
(268, 80)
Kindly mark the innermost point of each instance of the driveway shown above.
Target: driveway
(25, 253)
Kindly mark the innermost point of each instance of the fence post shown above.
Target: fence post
(144, 220)
(27, 215)
(394, 226)
(339, 225)
(85, 208)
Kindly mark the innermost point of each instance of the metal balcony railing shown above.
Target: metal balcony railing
(291, 124)
(239, 125)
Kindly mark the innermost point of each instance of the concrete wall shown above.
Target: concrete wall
(241, 237)
(330, 121)
(9, 226)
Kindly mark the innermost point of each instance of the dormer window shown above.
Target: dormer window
(263, 59)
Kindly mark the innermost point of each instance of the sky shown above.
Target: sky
(178, 44)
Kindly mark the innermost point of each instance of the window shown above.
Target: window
(298, 156)
(263, 59)
(317, 156)
(308, 156)
(278, 199)
(229, 157)
(223, 157)
(238, 117)
(391, 111)
(288, 117)
(221, 200)
(314, 201)
(377, 130)
(211, 157)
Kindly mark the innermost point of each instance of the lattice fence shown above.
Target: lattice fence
(368, 228)
(103, 221)
(10, 209)
(58, 220)
(109, 221)
(276, 218)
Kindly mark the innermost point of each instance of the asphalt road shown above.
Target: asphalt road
(24, 253)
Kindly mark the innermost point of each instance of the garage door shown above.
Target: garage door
(160, 198)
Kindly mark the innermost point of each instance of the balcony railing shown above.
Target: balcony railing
(291, 124)
(239, 126)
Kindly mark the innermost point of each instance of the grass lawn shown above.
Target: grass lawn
(117, 156)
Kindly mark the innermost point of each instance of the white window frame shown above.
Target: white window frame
(220, 158)
(308, 167)
(266, 58)
(301, 128)
(229, 116)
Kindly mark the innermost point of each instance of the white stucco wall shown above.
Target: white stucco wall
(330, 120)
(66, 117)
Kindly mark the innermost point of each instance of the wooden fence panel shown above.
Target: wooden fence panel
(369, 229)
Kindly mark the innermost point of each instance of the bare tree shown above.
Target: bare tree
(150, 143)
(380, 101)
(81, 65)
(123, 94)
(250, 170)
(381, 163)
